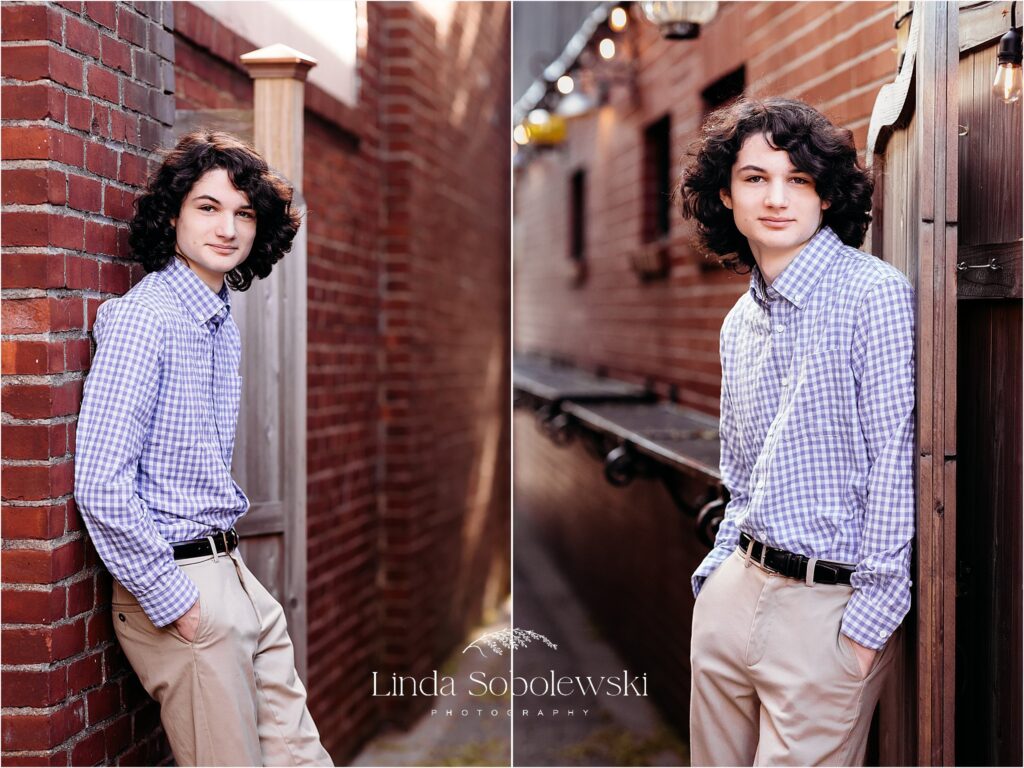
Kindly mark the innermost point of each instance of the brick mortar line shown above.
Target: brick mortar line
(114, 145)
(43, 545)
(67, 581)
(58, 210)
(49, 122)
(15, 294)
(120, 185)
(54, 708)
(42, 379)
(62, 44)
(50, 250)
(51, 502)
(49, 421)
(810, 55)
(44, 336)
(53, 461)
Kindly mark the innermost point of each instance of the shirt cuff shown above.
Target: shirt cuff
(712, 560)
(170, 597)
(868, 623)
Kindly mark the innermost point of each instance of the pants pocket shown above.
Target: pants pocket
(851, 662)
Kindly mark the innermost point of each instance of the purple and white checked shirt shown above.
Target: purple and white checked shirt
(156, 433)
(817, 424)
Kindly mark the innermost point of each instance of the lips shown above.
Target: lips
(769, 222)
(224, 250)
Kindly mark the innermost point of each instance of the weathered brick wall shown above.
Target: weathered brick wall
(445, 116)
(86, 97)
(835, 55)
(407, 413)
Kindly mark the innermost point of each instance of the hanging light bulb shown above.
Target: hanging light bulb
(1007, 85)
(607, 48)
(565, 85)
(618, 19)
(520, 136)
(538, 116)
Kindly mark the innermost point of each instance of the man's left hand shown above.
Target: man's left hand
(865, 656)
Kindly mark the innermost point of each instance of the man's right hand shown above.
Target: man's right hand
(188, 623)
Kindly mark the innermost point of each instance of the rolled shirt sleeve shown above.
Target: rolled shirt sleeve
(119, 398)
(883, 362)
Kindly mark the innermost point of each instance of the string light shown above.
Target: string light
(618, 19)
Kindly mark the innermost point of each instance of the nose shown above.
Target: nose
(226, 226)
(776, 195)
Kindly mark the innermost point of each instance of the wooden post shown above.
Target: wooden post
(270, 456)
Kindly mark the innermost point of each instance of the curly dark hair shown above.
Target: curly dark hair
(815, 146)
(151, 235)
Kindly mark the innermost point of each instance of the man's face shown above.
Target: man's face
(775, 206)
(215, 228)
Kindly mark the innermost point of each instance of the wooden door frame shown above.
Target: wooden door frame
(930, 71)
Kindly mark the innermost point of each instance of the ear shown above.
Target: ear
(826, 204)
(726, 198)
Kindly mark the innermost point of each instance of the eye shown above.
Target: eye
(247, 214)
(754, 178)
(206, 207)
(801, 180)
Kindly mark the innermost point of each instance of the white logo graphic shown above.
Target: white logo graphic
(511, 639)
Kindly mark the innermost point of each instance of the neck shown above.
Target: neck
(213, 280)
(771, 264)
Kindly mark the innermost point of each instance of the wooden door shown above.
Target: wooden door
(270, 457)
(989, 641)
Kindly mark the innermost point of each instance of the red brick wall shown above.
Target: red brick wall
(445, 115)
(408, 307)
(84, 102)
(835, 55)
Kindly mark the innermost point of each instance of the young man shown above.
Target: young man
(798, 602)
(153, 469)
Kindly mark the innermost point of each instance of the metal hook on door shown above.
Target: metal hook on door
(963, 265)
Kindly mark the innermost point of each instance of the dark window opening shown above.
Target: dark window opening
(724, 90)
(578, 216)
(657, 183)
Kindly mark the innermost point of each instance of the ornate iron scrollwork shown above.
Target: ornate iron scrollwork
(620, 466)
(709, 519)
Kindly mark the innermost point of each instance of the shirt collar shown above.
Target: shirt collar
(801, 276)
(202, 303)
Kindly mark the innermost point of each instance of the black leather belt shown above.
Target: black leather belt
(794, 566)
(223, 541)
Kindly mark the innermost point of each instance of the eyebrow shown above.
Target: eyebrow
(762, 170)
(218, 202)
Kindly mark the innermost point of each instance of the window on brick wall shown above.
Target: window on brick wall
(578, 216)
(657, 191)
(727, 88)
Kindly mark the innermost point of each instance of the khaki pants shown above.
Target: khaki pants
(231, 696)
(772, 681)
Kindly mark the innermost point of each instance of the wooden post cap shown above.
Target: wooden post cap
(277, 60)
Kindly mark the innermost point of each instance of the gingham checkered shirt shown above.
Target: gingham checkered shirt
(817, 424)
(156, 433)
